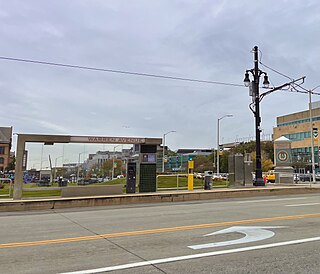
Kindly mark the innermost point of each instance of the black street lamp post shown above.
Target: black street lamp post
(255, 105)
(256, 73)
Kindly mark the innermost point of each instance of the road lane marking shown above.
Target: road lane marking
(193, 256)
(157, 230)
(251, 234)
(310, 204)
(270, 200)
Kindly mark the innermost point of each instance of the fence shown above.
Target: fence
(178, 183)
(10, 186)
(182, 184)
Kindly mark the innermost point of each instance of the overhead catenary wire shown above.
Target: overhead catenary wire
(118, 71)
(169, 77)
(276, 71)
(292, 89)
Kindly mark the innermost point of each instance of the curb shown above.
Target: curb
(143, 198)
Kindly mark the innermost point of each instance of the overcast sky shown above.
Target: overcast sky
(209, 40)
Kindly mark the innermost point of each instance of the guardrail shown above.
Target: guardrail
(10, 186)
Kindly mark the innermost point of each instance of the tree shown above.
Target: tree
(267, 164)
(107, 167)
(245, 147)
(224, 161)
(12, 164)
(268, 148)
(202, 163)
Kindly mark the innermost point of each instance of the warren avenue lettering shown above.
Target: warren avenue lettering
(117, 140)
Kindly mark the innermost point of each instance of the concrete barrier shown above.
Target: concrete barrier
(88, 191)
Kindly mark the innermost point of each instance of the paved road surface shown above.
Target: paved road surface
(156, 238)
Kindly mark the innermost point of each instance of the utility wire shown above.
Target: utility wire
(152, 75)
(293, 89)
(276, 71)
(118, 71)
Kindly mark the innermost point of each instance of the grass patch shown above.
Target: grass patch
(171, 182)
(163, 183)
(113, 182)
(41, 193)
(5, 190)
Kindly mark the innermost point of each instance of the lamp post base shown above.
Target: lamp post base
(259, 182)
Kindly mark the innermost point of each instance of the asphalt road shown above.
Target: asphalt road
(157, 238)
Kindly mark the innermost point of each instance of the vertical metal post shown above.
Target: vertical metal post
(312, 141)
(41, 161)
(78, 170)
(218, 149)
(218, 141)
(18, 180)
(114, 151)
(163, 148)
(259, 180)
(177, 181)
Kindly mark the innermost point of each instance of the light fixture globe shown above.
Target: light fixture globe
(246, 80)
(266, 82)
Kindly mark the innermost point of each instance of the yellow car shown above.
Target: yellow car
(271, 176)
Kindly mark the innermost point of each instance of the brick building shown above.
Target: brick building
(5, 146)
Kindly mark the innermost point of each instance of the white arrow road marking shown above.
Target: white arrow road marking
(193, 256)
(252, 234)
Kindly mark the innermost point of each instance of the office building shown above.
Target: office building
(296, 127)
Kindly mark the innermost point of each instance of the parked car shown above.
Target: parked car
(93, 180)
(198, 175)
(305, 177)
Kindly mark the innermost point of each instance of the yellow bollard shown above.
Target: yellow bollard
(190, 174)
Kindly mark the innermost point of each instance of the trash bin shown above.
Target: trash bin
(62, 182)
(208, 180)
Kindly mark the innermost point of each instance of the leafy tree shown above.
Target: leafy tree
(268, 148)
(267, 164)
(107, 167)
(223, 161)
(12, 164)
(202, 163)
(245, 147)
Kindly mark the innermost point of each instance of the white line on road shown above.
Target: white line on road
(193, 256)
(270, 200)
(311, 204)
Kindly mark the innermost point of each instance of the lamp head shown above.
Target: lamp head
(246, 80)
(266, 82)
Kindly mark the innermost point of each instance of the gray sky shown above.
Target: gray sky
(210, 40)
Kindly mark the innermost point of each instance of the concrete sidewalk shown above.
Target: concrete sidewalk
(7, 205)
